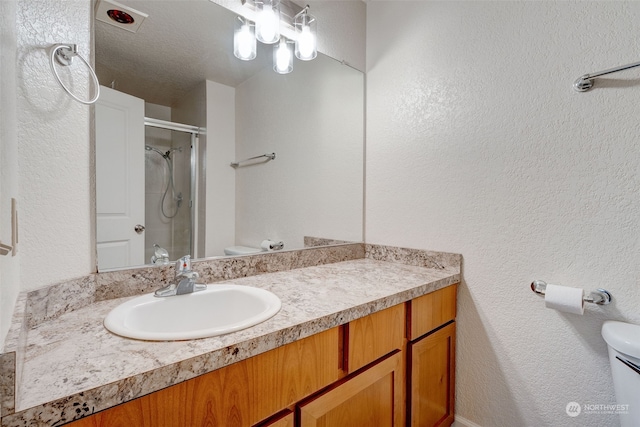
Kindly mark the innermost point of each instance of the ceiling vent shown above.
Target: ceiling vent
(119, 15)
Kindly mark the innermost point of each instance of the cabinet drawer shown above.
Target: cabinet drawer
(373, 336)
(431, 311)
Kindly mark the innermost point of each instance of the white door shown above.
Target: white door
(119, 179)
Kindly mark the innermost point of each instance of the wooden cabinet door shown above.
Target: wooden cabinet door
(432, 376)
(374, 397)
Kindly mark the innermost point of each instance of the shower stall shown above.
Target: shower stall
(171, 179)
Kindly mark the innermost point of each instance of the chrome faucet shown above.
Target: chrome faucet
(184, 282)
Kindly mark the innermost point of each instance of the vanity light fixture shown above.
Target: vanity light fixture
(244, 39)
(283, 57)
(277, 23)
(306, 35)
(267, 21)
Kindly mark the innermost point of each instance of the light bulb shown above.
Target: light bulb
(306, 43)
(244, 42)
(282, 58)
(268, 24)
(306, 39)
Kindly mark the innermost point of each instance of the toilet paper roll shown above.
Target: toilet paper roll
(267, 245)
(564, 298)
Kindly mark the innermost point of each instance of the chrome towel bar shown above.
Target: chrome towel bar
(268, 156)
(599, 296)
(584, 83)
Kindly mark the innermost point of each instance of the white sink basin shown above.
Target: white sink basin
(218, 310)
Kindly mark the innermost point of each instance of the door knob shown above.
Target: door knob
(139, 228)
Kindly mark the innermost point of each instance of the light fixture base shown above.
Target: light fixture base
(288, 11)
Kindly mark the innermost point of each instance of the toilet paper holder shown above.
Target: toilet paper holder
(599, 296)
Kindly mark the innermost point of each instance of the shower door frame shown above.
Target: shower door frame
(195, 132)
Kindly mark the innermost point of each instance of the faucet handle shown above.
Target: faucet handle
(183, 265)
(191, 275)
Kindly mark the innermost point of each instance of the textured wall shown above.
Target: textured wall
(476, 143)
(53, 153)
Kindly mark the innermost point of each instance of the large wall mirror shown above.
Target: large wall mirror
(177, 108)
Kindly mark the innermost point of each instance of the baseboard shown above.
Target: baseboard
(463, 422)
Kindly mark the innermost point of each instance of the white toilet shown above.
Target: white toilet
(623, 340)
(241, 250)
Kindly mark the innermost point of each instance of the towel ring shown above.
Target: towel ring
(64, 54)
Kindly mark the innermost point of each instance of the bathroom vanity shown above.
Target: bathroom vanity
(354, 374)
(367, 340)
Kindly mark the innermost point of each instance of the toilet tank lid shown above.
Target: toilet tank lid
(623, 337)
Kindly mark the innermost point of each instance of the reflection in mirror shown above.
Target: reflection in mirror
(168, 187)
(178, 108)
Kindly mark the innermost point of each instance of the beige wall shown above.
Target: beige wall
(477, 143)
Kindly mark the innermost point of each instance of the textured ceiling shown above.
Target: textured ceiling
(181, 43)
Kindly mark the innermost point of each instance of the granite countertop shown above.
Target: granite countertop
(74, 367)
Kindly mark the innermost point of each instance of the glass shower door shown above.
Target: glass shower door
(168, 190)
